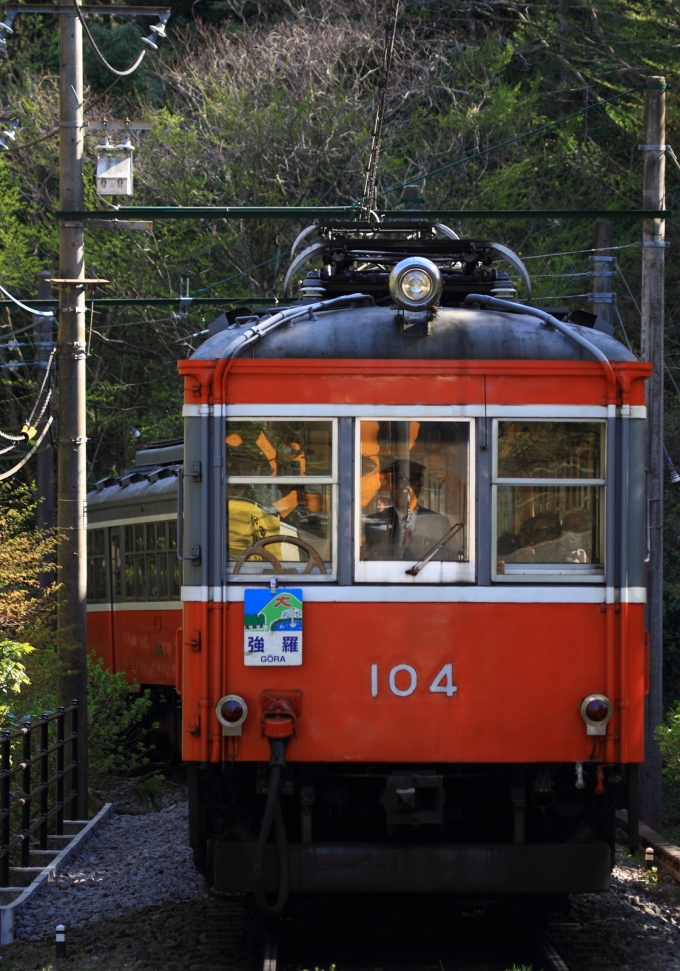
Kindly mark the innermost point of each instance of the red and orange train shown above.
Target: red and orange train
(409, 635)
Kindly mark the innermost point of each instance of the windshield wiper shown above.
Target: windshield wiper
(417, 567)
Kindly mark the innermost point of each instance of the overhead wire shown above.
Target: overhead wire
(517, 138)
(27, 456)
(120, 74)
(235, 276)
(574, 252)
(368, 202)
(29, 310)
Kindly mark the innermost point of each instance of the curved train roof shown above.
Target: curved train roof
(455, 333)
(133, 493)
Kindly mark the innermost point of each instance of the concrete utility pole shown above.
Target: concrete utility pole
(653, 350)
(603, 271)
(42, 336)
(72, 554)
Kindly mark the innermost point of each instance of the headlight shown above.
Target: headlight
(415, 283)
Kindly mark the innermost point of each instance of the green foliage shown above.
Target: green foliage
(116, 712)
(668, 737)
(12, 668)
(26, 604)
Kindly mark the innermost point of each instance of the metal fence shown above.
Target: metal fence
(30, 811)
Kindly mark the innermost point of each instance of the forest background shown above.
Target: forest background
(270, 102)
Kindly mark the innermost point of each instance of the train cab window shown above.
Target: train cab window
(414, 492)
(97, 591)
(281, 482)
(549, 499)
(151, 570)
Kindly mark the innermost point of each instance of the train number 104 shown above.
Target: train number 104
(402, 681)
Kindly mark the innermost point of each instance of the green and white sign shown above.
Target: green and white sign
(272, 623)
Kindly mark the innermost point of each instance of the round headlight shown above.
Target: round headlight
(415, 283)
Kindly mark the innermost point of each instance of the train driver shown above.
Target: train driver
(405, 530)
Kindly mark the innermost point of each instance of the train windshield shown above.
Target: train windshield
(281, 496)
(549, 497)
(414, 487)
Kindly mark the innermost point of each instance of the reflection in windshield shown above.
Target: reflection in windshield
(413, 489)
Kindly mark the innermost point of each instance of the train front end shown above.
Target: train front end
(413, 542)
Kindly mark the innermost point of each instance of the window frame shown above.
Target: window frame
(549, 572)
(436, 572)
(328, 480)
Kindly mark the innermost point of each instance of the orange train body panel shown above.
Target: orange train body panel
(521, 671)
(140, 643)
(409, 382)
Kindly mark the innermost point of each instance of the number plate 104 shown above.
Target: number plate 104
(402, 681)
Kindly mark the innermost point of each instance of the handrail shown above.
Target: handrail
(482, 300)
(32, 803)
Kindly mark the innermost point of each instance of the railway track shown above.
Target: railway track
(354, 934)
(389, 934)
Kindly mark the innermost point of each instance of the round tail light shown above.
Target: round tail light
(596, 710)
(231, 711)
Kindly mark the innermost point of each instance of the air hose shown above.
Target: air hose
(273, 813)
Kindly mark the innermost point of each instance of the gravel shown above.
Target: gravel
(134, 861)
(633, 927)
(132, 899)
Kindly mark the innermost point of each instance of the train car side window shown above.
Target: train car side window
(414, 497)
(549, 499)
(281, 482)
(97, 592)
(151, 571)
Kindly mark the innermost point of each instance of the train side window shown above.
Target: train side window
(116, 564)
(413, 515)
(96, 566)
(151, 567)
(548, 497)
(282, 481)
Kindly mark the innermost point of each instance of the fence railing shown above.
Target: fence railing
(31, 812)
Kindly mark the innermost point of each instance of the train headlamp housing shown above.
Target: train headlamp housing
(596, 710)
(415, 283)
(231, 711)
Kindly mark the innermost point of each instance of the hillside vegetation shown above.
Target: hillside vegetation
(271, 103)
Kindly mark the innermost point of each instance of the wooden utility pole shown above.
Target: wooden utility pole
(653, 350)
(71, 512)
(603, 271)
(42, 336)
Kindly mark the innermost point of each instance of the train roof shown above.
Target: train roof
(453, 333)
(133, 492)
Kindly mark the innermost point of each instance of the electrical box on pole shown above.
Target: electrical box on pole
(71, 344)
(115, 163)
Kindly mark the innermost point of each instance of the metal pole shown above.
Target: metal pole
(43, 338)
(602, 261)
(653, 350)
(71, 557)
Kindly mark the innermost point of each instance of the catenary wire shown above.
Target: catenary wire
(517, 138)
(121, 74)
(368, 201)
(30, 310)
(574, 252)
(235, 276)
(27, 456)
